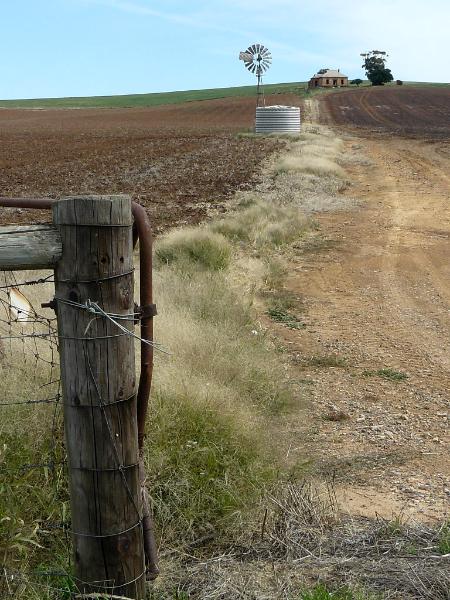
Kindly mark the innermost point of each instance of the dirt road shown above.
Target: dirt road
(376, 294)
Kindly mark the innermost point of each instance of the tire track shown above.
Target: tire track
(369, 110)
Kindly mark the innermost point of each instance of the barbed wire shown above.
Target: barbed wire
(53, 400)
(17, 284)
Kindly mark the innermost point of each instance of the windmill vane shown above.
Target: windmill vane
(257, 60)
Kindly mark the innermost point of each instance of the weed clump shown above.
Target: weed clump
(190, 246)
(444, 539)
(389, 374)
(263, 224)
(321, 592)
(281, 315)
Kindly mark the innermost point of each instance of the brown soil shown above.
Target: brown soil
(376, 295)
(178, 161)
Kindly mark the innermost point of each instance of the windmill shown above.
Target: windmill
(257, 59)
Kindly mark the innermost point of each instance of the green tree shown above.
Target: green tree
(356, 81)
(375, 66)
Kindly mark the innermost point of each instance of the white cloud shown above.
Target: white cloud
(143, 9)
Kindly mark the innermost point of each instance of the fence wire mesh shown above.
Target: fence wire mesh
(35, 546)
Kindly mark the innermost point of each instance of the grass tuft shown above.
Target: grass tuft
(327, 360)
(444, 539)
(194, 246)
(286, 318)
(389, 374)
(321, 592)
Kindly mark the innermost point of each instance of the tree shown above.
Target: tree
(375, 66)
(356, 82)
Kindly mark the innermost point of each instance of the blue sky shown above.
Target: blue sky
(94, 47)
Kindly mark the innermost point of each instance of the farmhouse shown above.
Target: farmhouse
(328, 78)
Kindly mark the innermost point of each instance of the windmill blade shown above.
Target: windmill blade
(245, 56)
(253, 48)
(20, 308)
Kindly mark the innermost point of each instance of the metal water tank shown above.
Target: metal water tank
(277, 119)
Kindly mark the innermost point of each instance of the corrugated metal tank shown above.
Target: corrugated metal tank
(277, 119)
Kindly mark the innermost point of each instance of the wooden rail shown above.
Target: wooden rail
(29, 247)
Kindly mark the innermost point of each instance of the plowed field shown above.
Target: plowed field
(177, 160)
(406, 111)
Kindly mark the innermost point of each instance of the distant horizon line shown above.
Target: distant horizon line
(131, 94)
(153, 93)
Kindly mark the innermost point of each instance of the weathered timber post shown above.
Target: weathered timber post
(99, 388)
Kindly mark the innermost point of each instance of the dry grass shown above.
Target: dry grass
(307, 175)
(208, 325)
(315, 155)
(299, 548)
(354, 160)
(316, 165)
(263, 225)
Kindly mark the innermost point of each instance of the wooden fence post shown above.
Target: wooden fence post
(99, 389)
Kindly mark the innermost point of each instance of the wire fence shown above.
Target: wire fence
(35, 539)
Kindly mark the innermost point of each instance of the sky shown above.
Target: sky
(54, 48)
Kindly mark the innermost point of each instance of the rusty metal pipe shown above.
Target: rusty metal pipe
(41, 203)
(144, 234)
(142, 231)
